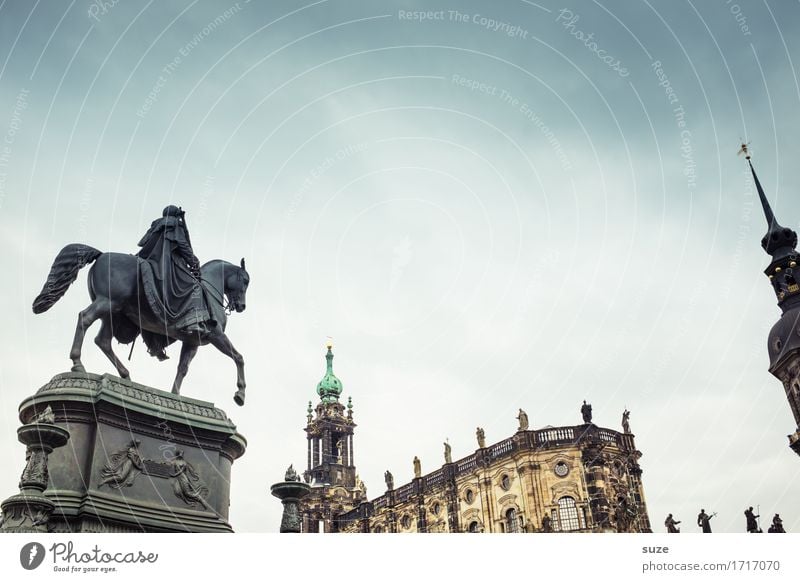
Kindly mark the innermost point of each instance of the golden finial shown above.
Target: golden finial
(329, 342)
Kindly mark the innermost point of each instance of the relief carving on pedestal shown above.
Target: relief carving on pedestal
(124, 466)
(186, 483)
(20, 515)
(35, 471)
(291, 520)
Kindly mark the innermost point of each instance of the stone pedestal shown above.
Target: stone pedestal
(30, 510)
(138, 460)
(290, 492)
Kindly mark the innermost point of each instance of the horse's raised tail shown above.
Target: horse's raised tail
(63, 273)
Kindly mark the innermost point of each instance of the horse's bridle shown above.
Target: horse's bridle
(221, 299)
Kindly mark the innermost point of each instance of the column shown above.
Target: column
(352, 455)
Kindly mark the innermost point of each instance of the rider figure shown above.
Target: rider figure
(168, 249)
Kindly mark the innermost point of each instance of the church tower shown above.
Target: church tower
(335, 487)
(784, 337)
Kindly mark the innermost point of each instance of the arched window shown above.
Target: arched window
(511, 521)
(568, 514)
(473, 527)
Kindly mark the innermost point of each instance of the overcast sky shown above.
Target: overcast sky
(506, 204)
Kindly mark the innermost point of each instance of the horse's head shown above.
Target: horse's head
(236, 282)
(224, 278)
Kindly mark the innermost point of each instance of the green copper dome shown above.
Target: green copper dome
(330, 386)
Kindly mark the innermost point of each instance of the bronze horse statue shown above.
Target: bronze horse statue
(116, 292)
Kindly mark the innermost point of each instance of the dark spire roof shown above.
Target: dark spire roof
(780, 243)
(779, 240)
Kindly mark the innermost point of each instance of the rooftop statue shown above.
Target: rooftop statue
(522, 417)
(672, 524)
(777, 525)
(161, 293)
(481, 435)
(586, 412)
(752, 520)
(704, 521)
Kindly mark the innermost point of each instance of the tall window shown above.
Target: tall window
(511, 521)
(568, 514)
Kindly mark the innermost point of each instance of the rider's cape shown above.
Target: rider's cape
(167, 286)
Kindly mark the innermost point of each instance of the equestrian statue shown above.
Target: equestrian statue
(162, 293)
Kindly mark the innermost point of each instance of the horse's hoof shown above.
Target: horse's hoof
(125, 375)
(79, 368)
(238, 398)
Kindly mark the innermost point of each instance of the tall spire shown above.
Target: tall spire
(780, 243)
(779, 240)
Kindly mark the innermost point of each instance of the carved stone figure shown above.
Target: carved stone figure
(162, 294)
(360, 485)
(186, 483)
(123, 467)
(481, 437)
(417, 468)
(523, 420)
(672, 524)
(339, 451)
(387, 476)
(30, 509)
(46, 416)
(626, 424)
(25, 516)
(547, 524)
(35, 471)
(448, 453)
(752, 520)
(704, 520)
(777, 525)
(292, 520)
(291, 474)
(622, 515)
(586, 412)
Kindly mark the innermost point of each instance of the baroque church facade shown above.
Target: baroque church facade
(581, 478)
